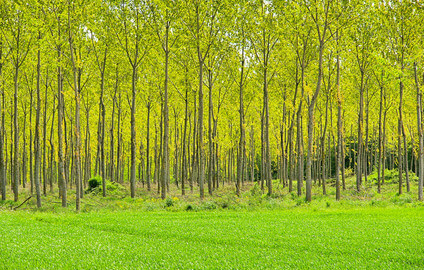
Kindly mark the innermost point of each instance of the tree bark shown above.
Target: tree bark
(165, 155)
(420, 136)
(61, 108)
(37, 131)
(148, 173)
(2, 160)
(77, 117)
(339, 123)
(241, 123)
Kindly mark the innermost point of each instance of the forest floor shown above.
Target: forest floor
(363, 230)
(224, 198)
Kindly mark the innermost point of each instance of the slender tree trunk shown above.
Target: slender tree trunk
(360, 123)
(102, 130)
(112, 130)
(324, 192)
(118, 150)
(61, 108)
(31, 158)
(380, 139)
(2, 159)
(16, 134)
(52, 162)
(266, 135)
(405, 146)
(339, 123)
(37, 131)
(420, 136)
(184, 157)
(299, 151)
(133, 133)
(400, 137)
(24, 153)
(148, 147)
(87, 167)
(165, 155)
(45, 137)
(241, 123)
(77, 117)
(311, 124)
(194, 170)
(210, 131)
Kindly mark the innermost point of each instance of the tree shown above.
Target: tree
(130, 39)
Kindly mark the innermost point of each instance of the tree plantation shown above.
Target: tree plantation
(198, 95)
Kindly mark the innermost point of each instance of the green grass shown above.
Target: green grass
(300, 238)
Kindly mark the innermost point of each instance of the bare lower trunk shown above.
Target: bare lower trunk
(37, 135)
(148, 149)
(420, 136)
(133, 133)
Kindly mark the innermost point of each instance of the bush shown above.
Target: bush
(169, 202)
(401, 199)
(93, 183)
(392, 176)
(208, 205)
(255, 190)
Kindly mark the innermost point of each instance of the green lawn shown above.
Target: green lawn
(366, 238)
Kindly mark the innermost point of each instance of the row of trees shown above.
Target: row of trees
(312, 85)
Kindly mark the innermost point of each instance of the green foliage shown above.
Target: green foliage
(95, 186)
(401, 199)
(94, 183)
(169, 202)
(392, 176)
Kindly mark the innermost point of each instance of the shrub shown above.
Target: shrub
(209, 205)
(93, 183)
(169, 202)
(255, 190)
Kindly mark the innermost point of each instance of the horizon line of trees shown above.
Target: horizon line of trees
(207, 93)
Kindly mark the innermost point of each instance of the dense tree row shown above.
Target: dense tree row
(198, 93)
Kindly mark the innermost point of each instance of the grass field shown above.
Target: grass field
(364, 230)
(304, 238)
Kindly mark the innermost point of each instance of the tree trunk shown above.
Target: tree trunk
(241, 124)
(380, 139)
(37, 131)
(165, 155)
(77, 117)
(133, 133)
(61, 108)
(148, 147)
(16, 135)
(2, 160)
(420, 136)
(184, 157)
(112, 130)
(311, 109)
(360, 122)
(45, 137)
(211, 170)
(24, 153)
(339, 123)
(52, 161)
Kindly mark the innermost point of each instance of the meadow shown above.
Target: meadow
(303, 238)
(253, 231)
